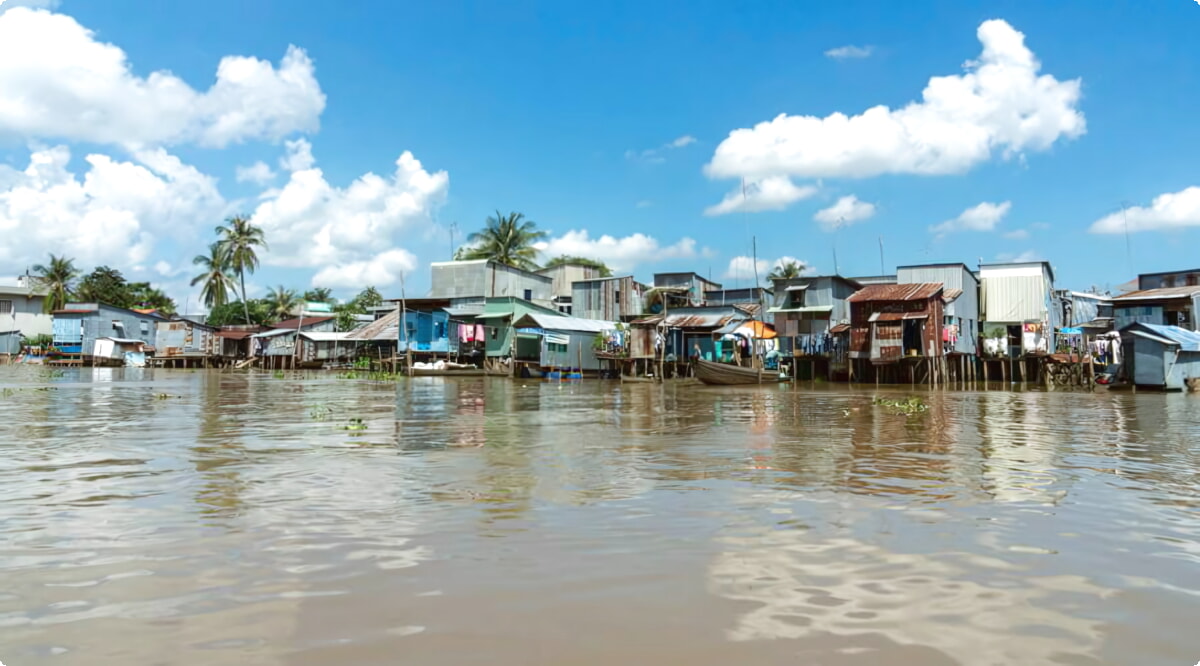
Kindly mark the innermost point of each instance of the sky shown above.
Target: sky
(368, 139)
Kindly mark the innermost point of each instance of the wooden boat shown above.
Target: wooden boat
(630, 379)
(724, 374)
(447, 372)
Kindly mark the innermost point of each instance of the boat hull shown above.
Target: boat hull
(723, 374)
(451, 372)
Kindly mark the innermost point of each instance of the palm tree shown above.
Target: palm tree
(565, 259)
(282, 302)
(215, 280)
(507, 239)
(787, 269)
(238, 241)
(57, 279)
(319, 295)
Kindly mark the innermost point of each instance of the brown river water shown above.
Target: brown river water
(200, 518)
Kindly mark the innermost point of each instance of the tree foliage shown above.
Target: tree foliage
(239, 243)
(234, 313)
(282, 302)
(58, 279)
(215, 279)
(107, 285)
(319, 295)
(787, 270)
(507, 239)
(561, 260)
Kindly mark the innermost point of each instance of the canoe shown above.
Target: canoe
(724, 374)
(447, 372)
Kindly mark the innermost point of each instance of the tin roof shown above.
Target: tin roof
(920, 291)
(1187, 340)
(325, 336)
(1162, 293)
(897, 316)
(557, 323)
(840, 328)
(714, 320)
(951, 295)
(806, 308)
(384, 328)
(235, 335)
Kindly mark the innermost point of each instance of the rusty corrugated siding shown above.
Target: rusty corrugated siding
(896, 292)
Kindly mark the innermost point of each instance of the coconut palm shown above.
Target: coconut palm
(57, 278)
(507, 239)
(239, 240)
(215, 280)
(319, 295)
(787, 269)
(282, 302)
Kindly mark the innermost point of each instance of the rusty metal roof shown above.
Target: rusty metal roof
(295, 323)
(1164, 293)
(691, 320)
(950, 295)
(897, 316)
(920, 291)
(840, 328)
(385, 328)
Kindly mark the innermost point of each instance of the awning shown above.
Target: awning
(271, 334)
(495, 315)
(897, 316)
(799, 287)
(840, 328)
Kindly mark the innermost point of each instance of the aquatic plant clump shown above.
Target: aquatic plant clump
(910, 406)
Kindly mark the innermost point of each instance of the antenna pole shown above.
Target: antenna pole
(882, 270)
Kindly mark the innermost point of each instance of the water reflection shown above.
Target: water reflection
(154, 516)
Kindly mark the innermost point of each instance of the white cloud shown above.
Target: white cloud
(6, 5)
(297, 156)
(258, 173)
(310, 223)
(658, 155)
(383, 269)
(771, 193)
(645, 204)
(112, 215)
(846, 211)
(1026, 256)
(1001, 103)
(1173, 210)
(983, 217)
(743, 267)
(1016, 234)
(850, 51)
(83, 90)
(620, 254)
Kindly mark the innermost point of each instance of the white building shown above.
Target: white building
(21, 315)
(1020, 312)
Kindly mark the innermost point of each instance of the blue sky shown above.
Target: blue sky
(611, 120)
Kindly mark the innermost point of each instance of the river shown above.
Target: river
(205, 518)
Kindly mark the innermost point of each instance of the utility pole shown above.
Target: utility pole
(453, 228)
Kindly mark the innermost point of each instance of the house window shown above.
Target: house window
(529, 294)
(145, 327)
(556, 348)
(617, 297)
(6, 307)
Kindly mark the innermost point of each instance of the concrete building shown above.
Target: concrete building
(608, 299)
(467, 285)
(1019, 309)
(960, 319)
(565, 276)
(21, 316)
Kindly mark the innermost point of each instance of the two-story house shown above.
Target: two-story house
(807, 309)
(960, 293)
(1019, 308)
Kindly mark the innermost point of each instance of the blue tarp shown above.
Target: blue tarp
(1187, 340)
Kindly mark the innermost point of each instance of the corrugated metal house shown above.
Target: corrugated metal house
(868, 280)
(890, 322)
(960, 319)
(741, 296)
(1166, 357)
(1165, 306)
(470, 282)
(77, 326)
(280, 340)
(429, 331)
(691, 288)
(559, 342)
(685, 328)
(805, 309)
(320, 347)
(608, 299)
(184, 342)
(1019, 309)
(497, 318)
(564, 277)
(1085, 310)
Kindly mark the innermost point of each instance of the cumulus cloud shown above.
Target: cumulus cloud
(983, 217)
(113, 215)
(6, 5)
(80, 89)
(1000, 104)
(348, 231)
(258, 173)
(297, 156)
(620, 254)
(384, 268)
(743, 267)
(771, 193)
(1173, 210)
(846, 211)
(658, 155)
(849, 52)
